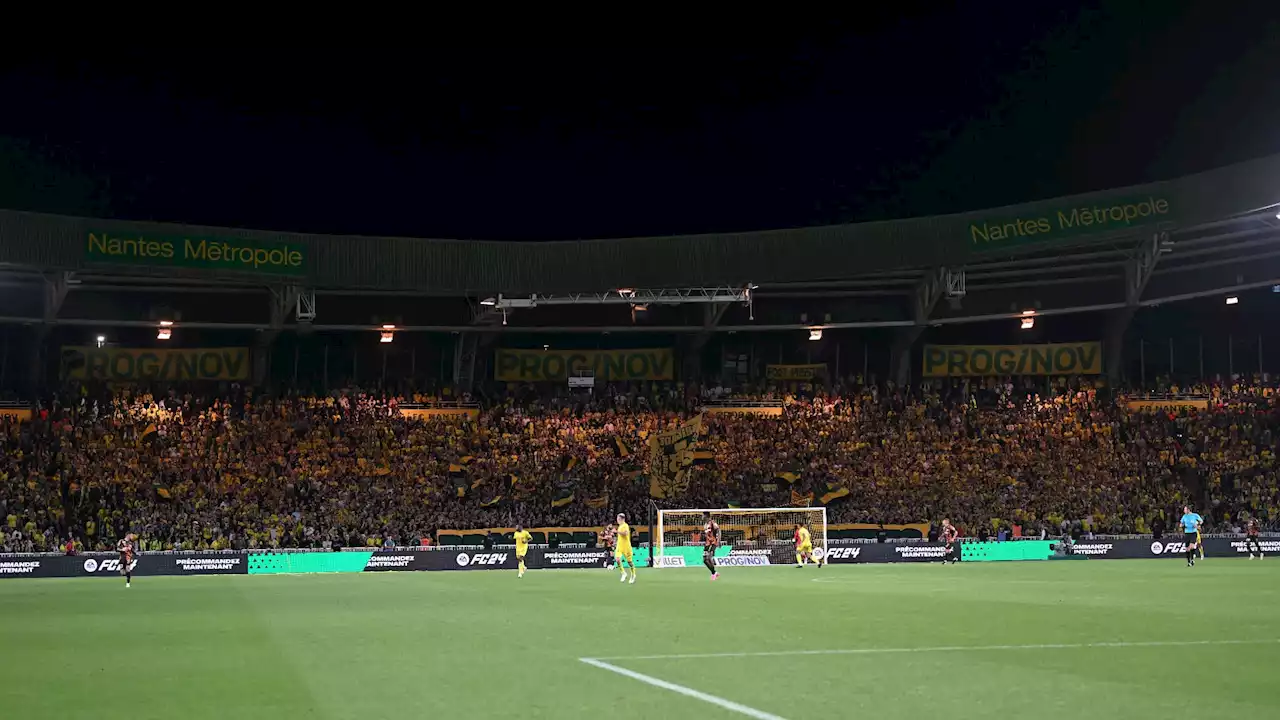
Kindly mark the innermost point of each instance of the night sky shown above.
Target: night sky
(923, 112)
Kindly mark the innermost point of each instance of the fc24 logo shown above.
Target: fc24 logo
(1173, 548)
(839, 553)
(91, 565)
(465, 560)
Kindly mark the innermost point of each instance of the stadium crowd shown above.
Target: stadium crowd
(246, 470)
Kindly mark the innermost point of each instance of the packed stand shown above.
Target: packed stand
(238, 471)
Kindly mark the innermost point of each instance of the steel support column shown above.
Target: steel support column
(692, 365)
(928, 291)
(53, 296)
(1137, 272)
(282, 300)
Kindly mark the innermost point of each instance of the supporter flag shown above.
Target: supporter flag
(458, 474)
(519, 488)
(568, 463)
(620, 447)
(733, 504)
(801, 500)
(562, 497)
(670, 455)
(148, 435)
(493, 501)
(597, 503)
(834, 492)
(787, 476)
(703, 457)
(162, 492)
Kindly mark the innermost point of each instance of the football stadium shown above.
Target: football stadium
(1016, 460)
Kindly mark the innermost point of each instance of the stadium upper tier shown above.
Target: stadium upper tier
(1247, 192)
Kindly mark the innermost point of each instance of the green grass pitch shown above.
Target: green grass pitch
(486, 645)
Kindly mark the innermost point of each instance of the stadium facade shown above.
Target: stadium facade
(878, 292)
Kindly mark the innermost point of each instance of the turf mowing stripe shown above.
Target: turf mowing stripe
(945, 648)
(686, 691)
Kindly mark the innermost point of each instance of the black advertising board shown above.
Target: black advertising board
(1166, 547)
(108, 565)
(504, 559)
(885, 553)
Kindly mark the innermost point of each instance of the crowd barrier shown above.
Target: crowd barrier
(539, 558)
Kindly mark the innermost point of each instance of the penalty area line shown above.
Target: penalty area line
(943, 648)
(682, 690)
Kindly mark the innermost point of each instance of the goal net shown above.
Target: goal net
(748, 536)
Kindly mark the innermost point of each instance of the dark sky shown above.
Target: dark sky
(928, 111)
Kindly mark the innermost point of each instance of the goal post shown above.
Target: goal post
(749, 536)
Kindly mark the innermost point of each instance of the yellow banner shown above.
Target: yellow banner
(765, 410)
(670, 455)
(922, 528)
(795, 372)
(469, 413)
(19, 414)
(1169, 404)
(129, 364)
(1083, 358)
(560, 365)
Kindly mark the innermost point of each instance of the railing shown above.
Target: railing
(772, 408)
(743, 404)
(441, 405)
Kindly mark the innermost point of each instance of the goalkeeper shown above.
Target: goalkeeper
(804, 547)
(711, 539)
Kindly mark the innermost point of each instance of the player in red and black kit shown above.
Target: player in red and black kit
(127, 558)
(1252, 530)
(606, 540)
(950, 536)
(711, 540)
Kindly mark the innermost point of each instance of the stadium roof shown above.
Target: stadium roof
(1132, 246)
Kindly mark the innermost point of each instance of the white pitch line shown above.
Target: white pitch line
(681, 689)
(946, 648)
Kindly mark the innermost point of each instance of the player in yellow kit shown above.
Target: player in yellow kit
(522, 538)
(804, 547)
(622, 552)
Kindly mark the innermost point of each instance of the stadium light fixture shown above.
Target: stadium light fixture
(1028, 323)
(815, 333)
(164, 334)
(490, 302)
(388, 333)
(1233, 300)
(102, 340)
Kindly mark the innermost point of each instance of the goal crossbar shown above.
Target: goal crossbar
(672, 535)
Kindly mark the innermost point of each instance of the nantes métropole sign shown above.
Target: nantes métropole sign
(1106, 216)
(205, 253)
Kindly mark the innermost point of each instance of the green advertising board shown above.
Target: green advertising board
(1001, 551)
(997, 233)
(204, 253)
(308, 562)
